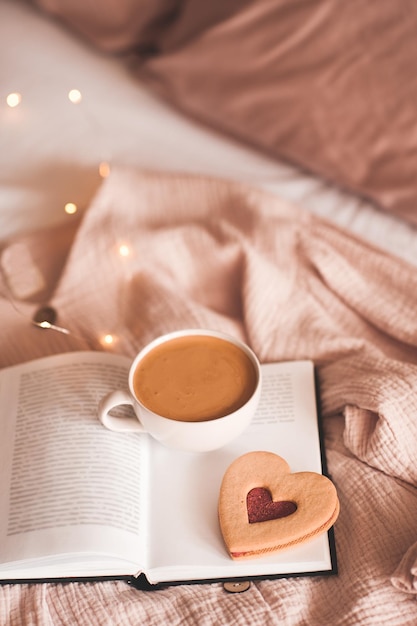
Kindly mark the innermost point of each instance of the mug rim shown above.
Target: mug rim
(190, 332)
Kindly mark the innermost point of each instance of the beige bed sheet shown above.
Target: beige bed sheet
(207, 253)
(219, 254)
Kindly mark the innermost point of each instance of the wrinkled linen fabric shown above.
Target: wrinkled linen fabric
(120, 26)
(328, 86)
(114, 25)
(217, 254)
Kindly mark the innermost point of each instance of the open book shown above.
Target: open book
(78, 501)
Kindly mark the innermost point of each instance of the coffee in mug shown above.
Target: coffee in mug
(195, 378)
(193, 390)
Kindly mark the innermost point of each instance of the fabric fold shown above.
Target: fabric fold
(404, 577)
(157, 252)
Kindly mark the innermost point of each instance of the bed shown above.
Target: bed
(259, 160)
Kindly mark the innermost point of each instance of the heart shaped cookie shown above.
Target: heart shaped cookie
(296, 507)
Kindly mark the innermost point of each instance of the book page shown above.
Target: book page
(184, 521)
(68, 488)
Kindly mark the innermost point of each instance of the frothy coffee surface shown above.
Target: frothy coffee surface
(194, 378)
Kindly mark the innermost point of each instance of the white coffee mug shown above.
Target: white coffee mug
(196, 436)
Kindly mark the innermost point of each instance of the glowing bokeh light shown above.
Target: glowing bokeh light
(104, 169)
(124, 250)
(70, 208)
(13, 99)
(75, 96)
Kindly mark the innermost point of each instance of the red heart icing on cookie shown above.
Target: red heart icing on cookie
(314, 496)
(261, 507)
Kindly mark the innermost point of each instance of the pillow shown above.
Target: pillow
(329, 86)
(113, 25)
(123, 25)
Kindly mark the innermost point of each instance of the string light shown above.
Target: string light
(108, 340)
(70, 208)
(13, 99)
(124, 250)
(104, 169)
(44, 317)
(75, 96)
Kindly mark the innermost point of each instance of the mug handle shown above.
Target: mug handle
(112, 422)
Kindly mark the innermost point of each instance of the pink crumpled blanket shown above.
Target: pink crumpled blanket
(217, 254)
